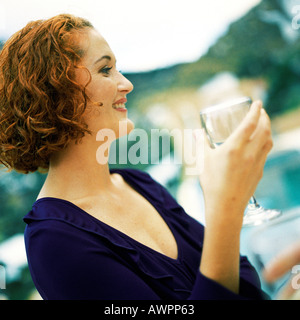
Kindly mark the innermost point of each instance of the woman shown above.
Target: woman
(96, 233)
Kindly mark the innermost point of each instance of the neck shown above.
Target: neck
(75, 173)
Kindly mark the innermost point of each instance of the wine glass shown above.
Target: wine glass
(219, 121)
(270, 239)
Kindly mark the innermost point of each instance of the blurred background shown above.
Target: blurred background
(181, 56)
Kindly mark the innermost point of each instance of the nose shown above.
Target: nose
(124, 84)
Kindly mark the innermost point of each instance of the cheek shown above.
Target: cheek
(102, 92)
(82, 76)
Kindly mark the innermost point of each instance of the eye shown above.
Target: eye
(105, 70)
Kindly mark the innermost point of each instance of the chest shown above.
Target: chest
(135, 216)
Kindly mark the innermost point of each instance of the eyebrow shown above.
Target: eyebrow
(103, 58)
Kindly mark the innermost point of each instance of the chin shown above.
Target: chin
(125, 127)
(130, 126)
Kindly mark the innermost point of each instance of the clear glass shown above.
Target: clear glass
(271, 239)
(219, 122)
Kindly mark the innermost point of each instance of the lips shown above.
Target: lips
(120, 104)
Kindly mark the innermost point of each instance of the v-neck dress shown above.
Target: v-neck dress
(72, 255)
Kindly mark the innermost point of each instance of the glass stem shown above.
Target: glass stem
(254, 202)
(253, 206)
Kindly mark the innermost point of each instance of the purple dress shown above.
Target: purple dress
(72, 255)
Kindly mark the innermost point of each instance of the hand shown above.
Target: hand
(280, 265)
(229, 178)
(232, 171)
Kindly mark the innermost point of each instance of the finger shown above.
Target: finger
(249, 124)
(282, 263)
(261, 141)
(288, 293)
(262, 134)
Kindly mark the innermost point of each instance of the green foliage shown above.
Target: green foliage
(254, 46)
(17, 194)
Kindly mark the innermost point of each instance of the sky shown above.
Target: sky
(144, 35)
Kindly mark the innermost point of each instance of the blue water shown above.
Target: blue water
(280, 185)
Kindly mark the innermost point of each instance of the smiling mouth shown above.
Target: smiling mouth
(119, 106)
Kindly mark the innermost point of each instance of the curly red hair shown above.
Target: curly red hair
(41, 104)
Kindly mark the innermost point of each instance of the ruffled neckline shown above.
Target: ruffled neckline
(153, 264)
(101, 228)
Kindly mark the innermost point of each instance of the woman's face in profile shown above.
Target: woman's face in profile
(108, 87)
